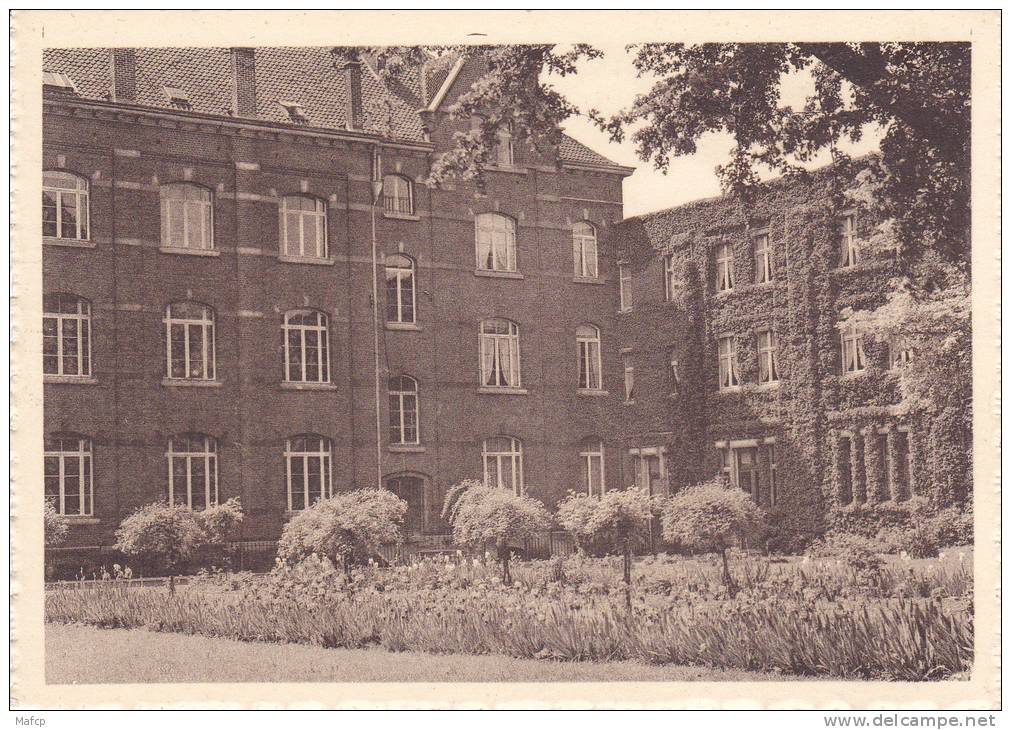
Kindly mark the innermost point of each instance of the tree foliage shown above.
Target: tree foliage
(712, 517)
(165, 537)
(56, 527)
(616, 519)
(493, 518)
(348, 528)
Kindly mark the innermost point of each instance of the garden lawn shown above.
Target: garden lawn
(78, 654)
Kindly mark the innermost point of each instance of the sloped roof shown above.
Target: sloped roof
(306, 76)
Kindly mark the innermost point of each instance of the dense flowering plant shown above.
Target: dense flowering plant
(486, 517)
(55, 525)
(713, 517)
(348, 528)
(164, 537)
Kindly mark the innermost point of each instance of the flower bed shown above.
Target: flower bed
(911, 622)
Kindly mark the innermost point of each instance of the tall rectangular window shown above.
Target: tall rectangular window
(189, 335)
(400, 299)
(64, 206)
(899, 353)
(66, 335)
(307, 470)
(495, 242)
(588, 346)
(591, 457)
(728, 363)
(500, 354)
(768, 367)
(193, 470)
(624, 287)
(67, 475)
(853, 360)
(724, 267)
(306, 357)
(763, 258)
(629, 378)
(187, 219)
(773, 484)
(584, 251)
(673, 372)
(848, 242)
(503, 463)
(670, 282)
(303, 227)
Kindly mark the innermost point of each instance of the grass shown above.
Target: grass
(84, 655)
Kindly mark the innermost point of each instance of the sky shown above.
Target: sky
(610, 84)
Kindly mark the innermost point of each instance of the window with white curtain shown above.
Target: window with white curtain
(495, 238)
(500, 354)
(591, 458)
(728, 363)
(303, 227)
(588, 346)
(724, 267)
(768, 356)
(187, 217)
(853, 360)
(584, 250)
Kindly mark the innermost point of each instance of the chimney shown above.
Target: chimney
(244, 82)
(352, 73)
(124, 74)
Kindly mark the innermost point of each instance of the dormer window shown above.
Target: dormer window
(295, 111)
(53, 80)
(177, 97)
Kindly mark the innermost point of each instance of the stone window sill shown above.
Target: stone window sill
(594, 393)
(403, 327)
(489, 390)
(774, 385)
(179, 251)
(728, 391)
(498, 274)
(70, 379)
(401, 216)
(851, 376)
(625, 311)
(191, 383)
(305, 260)
(588, 280)
(405, 448)
(67, 242)
(287, 385)
(81, 519)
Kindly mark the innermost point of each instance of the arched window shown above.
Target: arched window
(307, 470)
(584, 250)
(64, 205)
(591, 457)
(193, 470)
(189, 341)
(500, 354)
(400, 303)
(303, 227)
(403, 394)
(495, 242)
(588, 346)
(68, 478)
(66, 335)
(398, 195)
(503, 463)
(187, 219)
(306, 356)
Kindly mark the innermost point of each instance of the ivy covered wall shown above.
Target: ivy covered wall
(845, 447)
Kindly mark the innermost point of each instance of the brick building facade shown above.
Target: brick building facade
(207, 271)
(208, 275)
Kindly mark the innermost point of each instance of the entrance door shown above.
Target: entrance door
(411, 490)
